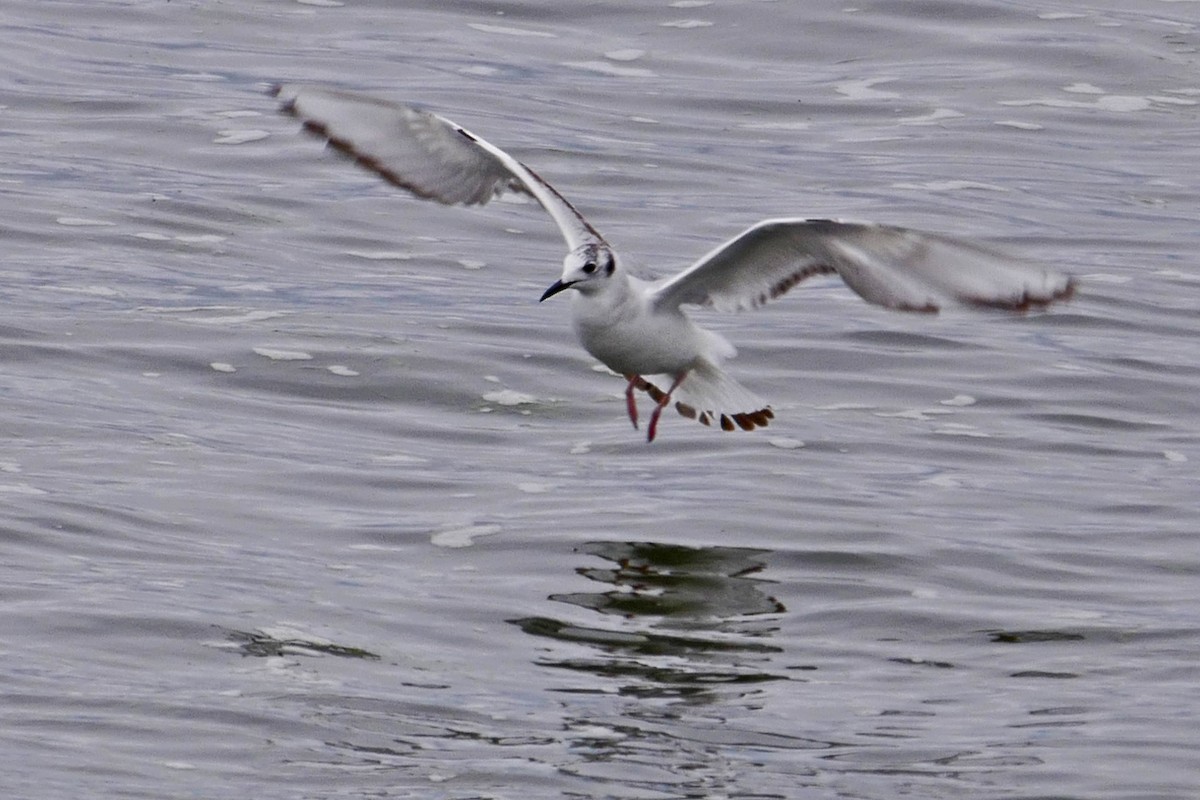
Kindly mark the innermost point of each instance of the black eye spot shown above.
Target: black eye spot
(609, 265)
(589, 268)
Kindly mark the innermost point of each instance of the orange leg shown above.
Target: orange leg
(630, 401)
(663, 403)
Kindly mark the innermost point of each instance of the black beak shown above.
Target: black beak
(555, 288)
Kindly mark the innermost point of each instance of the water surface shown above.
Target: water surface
(305, 495)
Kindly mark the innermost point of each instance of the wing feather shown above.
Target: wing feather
(426, 154)
(893, 267)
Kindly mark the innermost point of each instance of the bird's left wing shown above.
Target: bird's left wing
(894, 267)
(425, 154)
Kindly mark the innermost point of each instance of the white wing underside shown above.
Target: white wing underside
(426, 154)
(893, 267)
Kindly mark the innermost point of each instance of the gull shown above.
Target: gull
(639, 328)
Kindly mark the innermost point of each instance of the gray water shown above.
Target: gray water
(305, 495)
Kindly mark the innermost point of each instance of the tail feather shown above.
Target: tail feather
(709, 395)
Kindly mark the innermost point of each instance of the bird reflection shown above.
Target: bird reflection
(678, 622)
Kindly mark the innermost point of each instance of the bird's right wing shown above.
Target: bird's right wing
(894, 267)
(425, 154)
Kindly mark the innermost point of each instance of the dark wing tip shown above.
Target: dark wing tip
(1027, 301)
(747, 421)
(754, 419)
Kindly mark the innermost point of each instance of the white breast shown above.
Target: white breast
(619, 328)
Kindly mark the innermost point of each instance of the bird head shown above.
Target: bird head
(587, 268)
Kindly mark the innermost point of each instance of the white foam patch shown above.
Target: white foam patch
(241, 288)
(94, 291)
(400, 458)
(863, 89)
(790, 125)
(1021, 126)
(505, 30)
(216, 315)
(910, 413)
(464, 536)
(201, 76)
(509, 397)
(344, 372)
(952, 186)
(20, 488)
(845, 407)
(611, 70)
(380, 255)
(687, 24)
(624, 55)
(954, 429)
(83, 222)
(201, 238)
(221, 366)
(283, 355)
(933, 117)
(1174, 101)
(959, 400)
(1118, 103)
(240, 136)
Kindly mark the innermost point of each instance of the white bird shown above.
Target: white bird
(638, 328)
